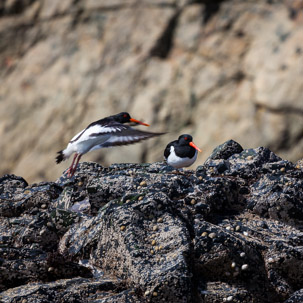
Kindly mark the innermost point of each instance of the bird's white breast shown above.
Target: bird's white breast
(178, 162)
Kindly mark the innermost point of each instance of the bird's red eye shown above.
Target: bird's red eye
(185, 138)
(124, 115)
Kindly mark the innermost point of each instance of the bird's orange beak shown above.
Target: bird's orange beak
(195, 146)
(138, 122)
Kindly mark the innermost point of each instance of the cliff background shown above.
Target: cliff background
(218, 70)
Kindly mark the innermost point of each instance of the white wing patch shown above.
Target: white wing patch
(128, 136)
(96, 130)
(121, 139)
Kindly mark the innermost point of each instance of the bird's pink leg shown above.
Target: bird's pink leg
(69, 171)
(75, 166)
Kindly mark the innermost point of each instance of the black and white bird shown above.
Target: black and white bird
(182, 152)
(107, 132)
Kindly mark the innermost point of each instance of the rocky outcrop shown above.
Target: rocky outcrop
(230, 231)
(215, 69)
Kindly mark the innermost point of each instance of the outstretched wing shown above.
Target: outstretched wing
(125, 137)
(97, 130)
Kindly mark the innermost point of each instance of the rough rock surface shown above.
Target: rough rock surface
(217, 69)
(231, 231)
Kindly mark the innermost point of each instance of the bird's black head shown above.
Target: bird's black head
(124, 117)
(185, 139)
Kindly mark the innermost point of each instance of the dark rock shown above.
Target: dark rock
(71, 290)
(297, 297)
(19, 198)
(278, 196)
(229, 232)
(225, 151)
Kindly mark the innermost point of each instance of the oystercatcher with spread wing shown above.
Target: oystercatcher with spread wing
(107, 132)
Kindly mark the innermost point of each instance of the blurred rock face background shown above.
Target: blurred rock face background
(218, 70)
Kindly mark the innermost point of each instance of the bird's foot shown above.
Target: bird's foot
(70, 172)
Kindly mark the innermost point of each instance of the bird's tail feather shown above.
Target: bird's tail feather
(60, 157)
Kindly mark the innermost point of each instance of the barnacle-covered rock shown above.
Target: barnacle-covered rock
(228, 232)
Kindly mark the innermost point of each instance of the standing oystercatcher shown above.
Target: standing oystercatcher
(106, 132)
(182, 152)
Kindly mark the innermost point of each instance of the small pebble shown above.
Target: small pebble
(153, 242)
(140, 198)
(282, 169)
(193, 202)
(160, 247)
(80, 183)
(244, 267)
(245, 233)
(233, 265)
(156, 248)
(147, 293)
(160, 220)
(35, 210)
(238, 227)
(155, 228)
(122, 228)
(159, 206)
(242, 254)
(152, 252)
(271, 260)
(50, 269)
(43, 206)
(227, 227)
(41, 232)
(204, 234)
(200, 178)
(249, 157)
(143, 183)
(229, 298)
(278, 207)
(212, 235)
(155, 294)
(127, 201)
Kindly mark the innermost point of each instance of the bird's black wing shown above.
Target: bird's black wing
(127, 136)
(167, 149)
